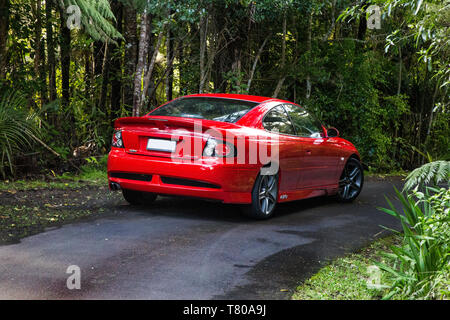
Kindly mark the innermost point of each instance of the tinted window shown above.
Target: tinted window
(277, 120)
(226, 110)
(305, 125)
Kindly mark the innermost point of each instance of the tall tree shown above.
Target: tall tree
(105, 77)
(99, 57)
(39, 55)
(51, 60)
(116, 63)
(170, 57)
(255, 63)
(142, 55)
(203, 28)
(130, 60)
(283, 58)
(149, 70)
(4, 28)
(65, 39)
(308, 50)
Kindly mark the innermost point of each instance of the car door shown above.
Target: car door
(278, 122)
(318, 158)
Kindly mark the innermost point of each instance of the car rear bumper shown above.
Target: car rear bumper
(208, 179)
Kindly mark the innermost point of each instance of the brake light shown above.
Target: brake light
(214, 148)
(117, 141)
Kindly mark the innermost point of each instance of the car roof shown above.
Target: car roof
(243, 97)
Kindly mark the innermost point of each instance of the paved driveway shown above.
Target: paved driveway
(191, 249)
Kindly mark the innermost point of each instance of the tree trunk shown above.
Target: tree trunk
(183, 88)
(362, 27)
(170, 57)
(142, 56)
(105, 77)
(151, 66)
(308, 49)
(131, 45)
(255, 63)
(39, 58)
(236, 68)
(283, 60)
(51, 61)
(164, 76)
(333, 21)
(65, 59)
(433, 101)
(203, 38)
(399, 87)
(36, 9)
(99, 58)
(4, 28)
(116, 65)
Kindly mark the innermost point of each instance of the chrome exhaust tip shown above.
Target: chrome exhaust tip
(114, 186)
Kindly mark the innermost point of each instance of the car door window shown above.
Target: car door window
(277, 120)
(305, 125)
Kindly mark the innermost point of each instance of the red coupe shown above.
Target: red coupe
(251, 150)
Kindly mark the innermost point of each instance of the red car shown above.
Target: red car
(251, 150)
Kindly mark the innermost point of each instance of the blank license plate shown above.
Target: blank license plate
(161, 145)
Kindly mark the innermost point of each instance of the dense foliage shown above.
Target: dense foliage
(17, 129)
(384, 89)
(419, 268)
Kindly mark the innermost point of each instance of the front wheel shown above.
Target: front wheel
(138, 198)
(264, 197)
(351, 181)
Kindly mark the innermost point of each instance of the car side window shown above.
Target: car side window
(305, 125)
(277, 120)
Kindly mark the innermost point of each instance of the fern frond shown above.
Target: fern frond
(431, 173)
(17, 128)
(96, 18)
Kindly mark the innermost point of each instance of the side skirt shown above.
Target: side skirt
(286, 196)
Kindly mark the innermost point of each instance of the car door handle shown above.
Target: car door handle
(308, 152)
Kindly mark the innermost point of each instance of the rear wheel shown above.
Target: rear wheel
(264, 197)
(351, 181)
(138, 198)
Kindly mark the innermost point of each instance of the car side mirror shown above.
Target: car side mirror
(332, 133)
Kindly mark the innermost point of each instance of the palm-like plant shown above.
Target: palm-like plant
(96, 18)
(417, 266)
(430, 173)
(17, 128)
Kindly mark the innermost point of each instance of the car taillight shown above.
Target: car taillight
(117, 141)
(214, 148)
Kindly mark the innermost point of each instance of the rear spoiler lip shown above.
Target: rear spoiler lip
(174, 120)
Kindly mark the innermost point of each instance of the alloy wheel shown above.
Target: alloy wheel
(268, 190)
(350, 183)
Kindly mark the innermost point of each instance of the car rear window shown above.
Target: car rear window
(218, 109)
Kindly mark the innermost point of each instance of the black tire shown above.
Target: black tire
(138, 198)
(351, 181)
(264, 197)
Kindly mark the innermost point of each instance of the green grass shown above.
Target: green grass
(88, 176)
(345, 278)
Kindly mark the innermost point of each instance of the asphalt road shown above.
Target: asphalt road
(192, 249)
